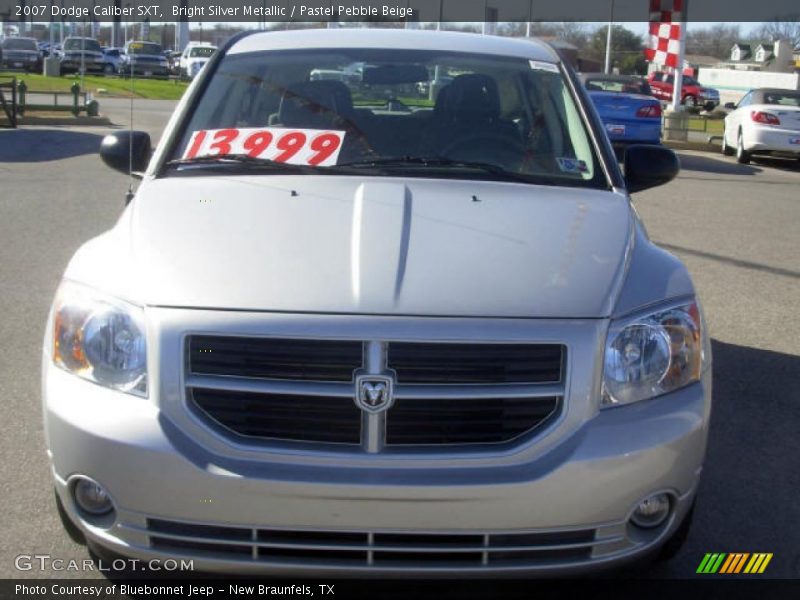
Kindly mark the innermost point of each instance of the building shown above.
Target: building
(770, 57)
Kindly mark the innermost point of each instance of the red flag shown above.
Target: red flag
(665, 32)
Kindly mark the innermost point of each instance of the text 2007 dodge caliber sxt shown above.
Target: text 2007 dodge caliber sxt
(381, 304)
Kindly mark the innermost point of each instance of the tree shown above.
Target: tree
(715, 41)
(570, 32)
(779, 30)
(627, 50)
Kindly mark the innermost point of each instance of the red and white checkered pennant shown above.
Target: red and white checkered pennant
(665, 32)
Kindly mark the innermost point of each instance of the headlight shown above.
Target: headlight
(653, 354)
(100, 339)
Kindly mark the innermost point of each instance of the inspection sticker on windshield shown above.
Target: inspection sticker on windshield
(572, 165)
(315, 147)
(538, 65)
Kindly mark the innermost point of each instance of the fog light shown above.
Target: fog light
(91, 497)
(652, 511)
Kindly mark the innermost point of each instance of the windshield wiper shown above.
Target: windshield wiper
(243, 160)
(441, 162)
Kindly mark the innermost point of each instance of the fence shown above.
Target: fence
(9, 105)
(73, 102)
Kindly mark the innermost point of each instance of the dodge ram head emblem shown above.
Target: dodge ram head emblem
(374, 393)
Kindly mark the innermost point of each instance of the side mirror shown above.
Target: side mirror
(124, 150)
(730, 105)
(649, 166)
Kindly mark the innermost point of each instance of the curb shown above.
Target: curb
(697, 146)
(65, 120)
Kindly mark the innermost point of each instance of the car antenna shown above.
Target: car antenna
(129, 195)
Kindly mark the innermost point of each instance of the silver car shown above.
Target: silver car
(352, 330)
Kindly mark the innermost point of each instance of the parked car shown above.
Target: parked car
(194, 58)
(173, 62)
(692, 93)
(145, 59)
(630, 114)
(765, 122)
(355, 340)
(20, 53)
(81, 53)
(113, 60)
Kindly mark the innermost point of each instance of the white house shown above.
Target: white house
(774, 58)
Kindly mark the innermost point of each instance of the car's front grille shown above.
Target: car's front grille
(431, 421)
(476, 363)
(271, 358)
(445, 394)
(284, 417)
(362, 549)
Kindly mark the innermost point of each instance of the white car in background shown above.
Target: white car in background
(766, 121)
(194, 58)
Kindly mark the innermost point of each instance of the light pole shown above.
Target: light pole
(608, 40)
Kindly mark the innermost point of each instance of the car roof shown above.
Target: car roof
(396, 39)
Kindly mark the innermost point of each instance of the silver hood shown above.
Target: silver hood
(330, 244)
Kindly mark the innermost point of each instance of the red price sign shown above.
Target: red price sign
(316, 147)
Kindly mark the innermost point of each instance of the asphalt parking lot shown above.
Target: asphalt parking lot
(736, 227)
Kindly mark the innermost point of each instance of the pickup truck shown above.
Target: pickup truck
(692, 93)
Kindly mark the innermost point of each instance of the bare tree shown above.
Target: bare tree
(715, 41)
(779, 30)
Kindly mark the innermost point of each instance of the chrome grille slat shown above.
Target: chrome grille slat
(269, 386)
(423, 550)
(469, 393)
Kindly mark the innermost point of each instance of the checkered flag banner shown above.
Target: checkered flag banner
(665, 32)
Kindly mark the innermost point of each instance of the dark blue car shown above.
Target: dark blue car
(630, 114)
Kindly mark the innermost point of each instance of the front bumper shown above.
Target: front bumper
(76, 65)
(18, 62)
(146, 70)
(559, 505)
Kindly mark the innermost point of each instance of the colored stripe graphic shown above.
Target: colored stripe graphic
(728, 564)
(758, 563)
(733, 563)
(737, 568)
(711, 563)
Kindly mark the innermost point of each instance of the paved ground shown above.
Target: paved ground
(735, 226)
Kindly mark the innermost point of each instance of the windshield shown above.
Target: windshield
(19, 44)
(623, 86)
(79, 44)
(143, 48)
(396, 113)
(202, 52)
